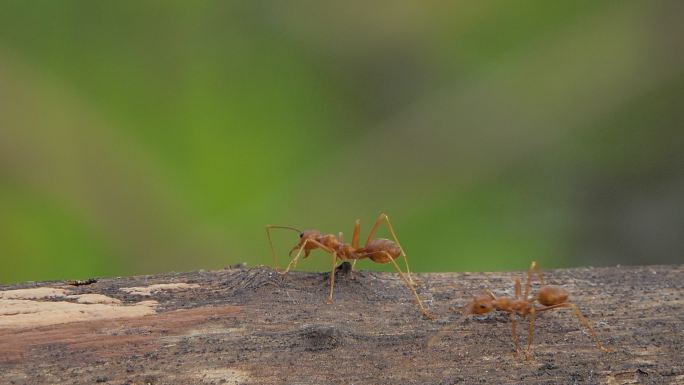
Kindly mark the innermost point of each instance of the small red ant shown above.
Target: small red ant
(378, 250)
(550, 297)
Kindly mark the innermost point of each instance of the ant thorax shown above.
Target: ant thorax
(511, 305)
(342, 250)
(503, 304)
(329, 240)
(345, 251)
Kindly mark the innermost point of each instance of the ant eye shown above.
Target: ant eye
(301, 235)
(483, 306)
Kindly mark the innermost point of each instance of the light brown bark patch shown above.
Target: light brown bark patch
(108, 338)
(22, 314)
(151, 289)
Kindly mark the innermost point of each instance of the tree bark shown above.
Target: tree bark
(254, 326)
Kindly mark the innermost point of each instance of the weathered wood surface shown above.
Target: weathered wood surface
(252, 326)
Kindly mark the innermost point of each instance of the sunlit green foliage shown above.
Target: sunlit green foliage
(147, 136)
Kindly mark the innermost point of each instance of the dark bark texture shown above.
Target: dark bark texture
(254, 326)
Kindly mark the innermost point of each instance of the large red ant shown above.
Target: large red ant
(550, 297)
(377, 250)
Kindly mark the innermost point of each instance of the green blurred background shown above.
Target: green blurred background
(151, 136)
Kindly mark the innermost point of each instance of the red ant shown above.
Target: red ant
(378, 250)
(550, 297)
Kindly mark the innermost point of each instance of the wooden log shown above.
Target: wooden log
(254, 326)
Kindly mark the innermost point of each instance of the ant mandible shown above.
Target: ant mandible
(377, 250)
(550, 297)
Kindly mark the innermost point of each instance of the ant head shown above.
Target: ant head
(308, 234)
(482, 304)
(303, 236)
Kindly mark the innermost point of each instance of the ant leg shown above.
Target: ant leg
(355, 238)
(332, 252)
(413, 290)
(582, 319)
(534, 268)
(293, 263)
(384, 217)
(517, 288)
(490, 294)
(528, 286)
(514, 333)
(294, 260)
(332, 278)
(530, 335)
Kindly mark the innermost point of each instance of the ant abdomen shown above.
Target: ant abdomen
(381, 250)
(552, 295)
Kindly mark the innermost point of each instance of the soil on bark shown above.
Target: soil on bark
(254, 326)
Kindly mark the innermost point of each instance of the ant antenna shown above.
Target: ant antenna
(270, 242)
(446, 328)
